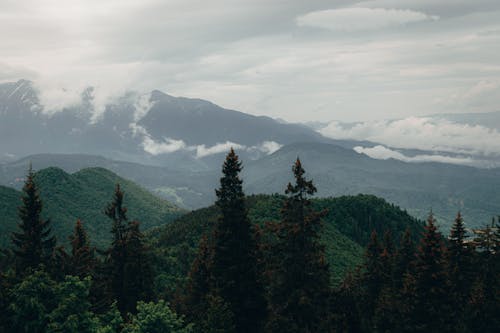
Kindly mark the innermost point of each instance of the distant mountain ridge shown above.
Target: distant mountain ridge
(418, 188)
(155, 128)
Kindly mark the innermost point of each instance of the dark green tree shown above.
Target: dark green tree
(115, 263)
(138, 275)
(432, 311)
(34, 244)
(235, 276)
(299, 284)
(82, 255)
(460, 269)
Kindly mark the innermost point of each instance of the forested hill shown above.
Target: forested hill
(347, 228)
(84, 195)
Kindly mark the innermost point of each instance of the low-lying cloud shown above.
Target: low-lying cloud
(169, 145)
(380, 152)
(425, 133)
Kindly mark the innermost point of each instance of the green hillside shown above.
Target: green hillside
(346, 231)
(84, 195)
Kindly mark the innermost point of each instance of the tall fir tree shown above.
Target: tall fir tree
(34, 244)
(138, 275)
(234, 272)
(116, 254)
(432, 310)
(460, 269)
(300, 286)
(82, 255)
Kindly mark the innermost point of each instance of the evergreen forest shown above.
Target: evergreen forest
(286, 262)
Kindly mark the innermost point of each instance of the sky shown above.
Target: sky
(296, 60)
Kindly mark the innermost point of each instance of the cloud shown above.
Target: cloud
(359, 19)
(383, 153)
(203, 151)
(424, 133)
(269, 147)
(169, 145)
(166, 146)
(260, 57)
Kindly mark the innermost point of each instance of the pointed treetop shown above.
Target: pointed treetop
(302, 186)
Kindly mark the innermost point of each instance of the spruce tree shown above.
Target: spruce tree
(138, 275)
(34, 244)
(116, 254)
(432, 312)
(82, 255)
(460, 270)
(234, 260)
(299, 290)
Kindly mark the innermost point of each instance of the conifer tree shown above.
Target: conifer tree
(116, 254)
(460, 270)
(138, 275)
(432, 312)
(82, 255)
(194, 303)
(299, 290)
(34, 244)
(234, 260)
(127, 266)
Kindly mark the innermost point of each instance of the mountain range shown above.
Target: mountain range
(174, 147)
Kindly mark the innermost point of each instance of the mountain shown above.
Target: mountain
(418, 187)
(154, 128)
(183, 187)
(84, 195)
(347, 228)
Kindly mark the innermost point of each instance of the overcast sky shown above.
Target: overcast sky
(298, 60)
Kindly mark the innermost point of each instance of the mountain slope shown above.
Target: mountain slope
(84, 195)
(178, 241)
(137, 128)
(418, 187)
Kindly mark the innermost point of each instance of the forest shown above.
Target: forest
(281, 263)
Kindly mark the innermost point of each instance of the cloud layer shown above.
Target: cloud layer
(297, 60)
(383, 153)
(433, 134)
(169, 145)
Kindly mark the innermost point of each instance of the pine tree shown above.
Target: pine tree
(299, 290)
(82, 255)
(127, 265)
(234, 263)
(116, 254)
(138, 275)
(432, 312)
(194, 303)
(460, 270)
(34, 245)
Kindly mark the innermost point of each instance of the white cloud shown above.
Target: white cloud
(269, 147)
(203, 151)
(422, 133)
(254, 57)
(383, 153)
(164, 147)
(359, 19)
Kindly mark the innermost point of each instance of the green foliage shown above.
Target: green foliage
(34, 244)
(32, 301)
(156, 318)
(72, 313)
